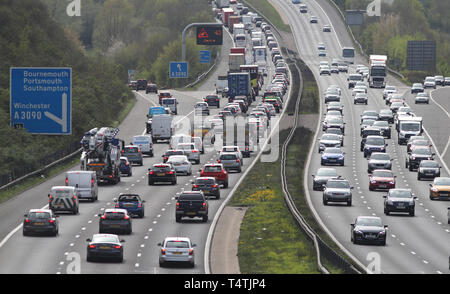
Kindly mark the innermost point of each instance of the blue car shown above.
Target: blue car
(125, 166)
(332, 155)
(295, 1)
(132, 203)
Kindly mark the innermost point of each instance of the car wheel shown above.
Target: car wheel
(412, 213)
(387, 212)
(325, 202)
(349, 203)
(418, 177)
(178, 218)
(150, 183)
(205, 219)
(225, 185)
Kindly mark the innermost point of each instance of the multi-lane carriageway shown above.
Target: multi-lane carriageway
(50, 255)
(418, 244)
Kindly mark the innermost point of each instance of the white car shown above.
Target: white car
(325, 70)
(176, 249)
(389, 90)
(430, 82)
(180, 164)
(191, 152)
(422, 98)
(198, 144)
(357, 91)
(179, 138)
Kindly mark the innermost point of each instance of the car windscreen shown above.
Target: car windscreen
(380, 124)
(205, 181)
(421, 151)
(330, 137)
(369, 222)
(177, 244)
(338, 184)
(333, 151)
(382, 174)
(375, 141)
(129, 198)
(188, 197)
(39, 215)
(105, 239)
(115, 215)
(168, 101)
(432, 164)
(400, 194)
(161, 168)
(420, 143)
(441, 182)
(228, 157)
(327, 172)
(131, 149)
(380, 156)
(410, 127)
(63, 193)
(213, 169)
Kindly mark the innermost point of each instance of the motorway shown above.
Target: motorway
(415, 244)
(60, 255)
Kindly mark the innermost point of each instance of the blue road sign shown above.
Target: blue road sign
(40, 99)
(178, 69)
(205, 56)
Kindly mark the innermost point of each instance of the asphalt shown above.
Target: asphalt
(415, 244)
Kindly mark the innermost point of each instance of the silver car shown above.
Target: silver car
(422, 98)
(337, 190)
(177, 249)
(230, 161)
(180, 164)
(379, 160)
(329, 140)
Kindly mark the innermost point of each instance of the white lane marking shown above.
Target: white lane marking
(448, 115)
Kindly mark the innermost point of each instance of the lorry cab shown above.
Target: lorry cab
(85, 182)
(63, 199)
(170, 103)
(241, 40)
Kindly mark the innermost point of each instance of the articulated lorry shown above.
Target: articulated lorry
(377, 71)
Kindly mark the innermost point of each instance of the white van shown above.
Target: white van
(85, 182)
(170, 103)
(144, 143)
(241, 40)
(198, 144)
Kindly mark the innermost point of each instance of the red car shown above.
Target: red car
(381, 179)
(217, 171)
(233, 1)
(163, 94)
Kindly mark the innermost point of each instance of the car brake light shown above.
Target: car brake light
(237, 160)
(92, 246)
(51, 221)
(139, 205)
(27, 220)
(117, 246)
(194, 151)
(215, 186)
(219, 161)
(191, 251)
(151, 172)
(67, 181)
(126, 217)
(195, 186)
(163, 251)
(171, 173)
(117, 205)
(103, 216)
(178, 205)
(204, 206)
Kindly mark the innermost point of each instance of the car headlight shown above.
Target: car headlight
(358, 232)
(433, 189)
(382, 233)
(391, 182)
(389, 202)
(373, 182)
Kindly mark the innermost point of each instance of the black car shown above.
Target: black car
(171, 152)
(141, 85)
(399, 200)
(414, 158)
(428, 169)
(374, 144)
(322, 176)
(104, 246)
(212, 100)
(40, 221)
(368, 229)
(151, 88)
(387, 115)
(207, 185)
(191, 204)
(115, 220)
(162, 173)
